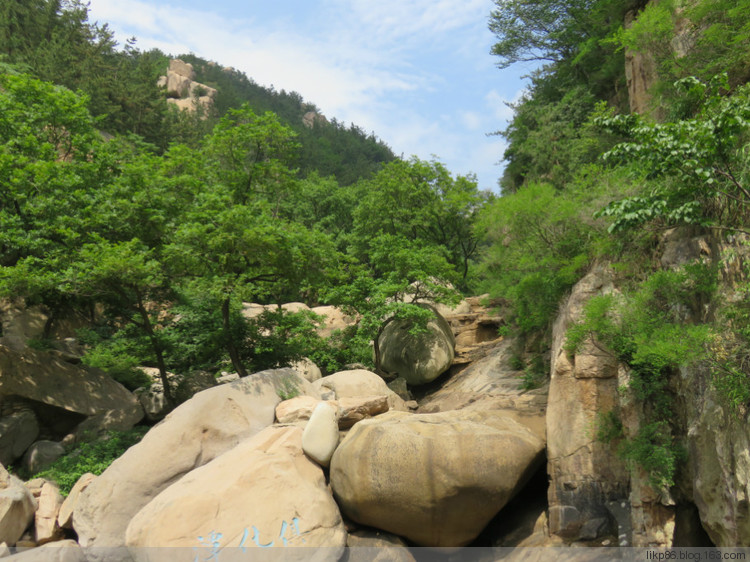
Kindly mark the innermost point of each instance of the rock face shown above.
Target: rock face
(45, 518)
(719, 463)
(419, 359)
(65, 516)
(492, 384)
(44, 378)
(17, 507)
(183, 91)
(264, 492)
(204, 427)
(310, 118)
(584, 474)
(436, 479)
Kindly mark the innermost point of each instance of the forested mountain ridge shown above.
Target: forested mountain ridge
(55, 41)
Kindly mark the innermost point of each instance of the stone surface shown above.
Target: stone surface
(419, 359)
(355, 409)
(358, 383)
(334, 319)
(17, 432)
(182, 68)
(321, 434)
(204, 427)
(491, 383)
(372, 545)
(65, 516)
(585, 474)
(296, 410)
(41, 455)
(58, 551)
(17, 507)
(45, 519)
(307, 369)
(46, 378)
(435, 479)
(640, 75)
(263, 492)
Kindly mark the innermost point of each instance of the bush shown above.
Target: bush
(92, 457)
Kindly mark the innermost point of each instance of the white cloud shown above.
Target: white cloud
(500, 105)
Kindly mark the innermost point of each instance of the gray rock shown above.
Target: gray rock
(17, 432)
(41, 455)
(418, 359)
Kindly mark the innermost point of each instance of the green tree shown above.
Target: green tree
(127, 278)
(697, 167)
(419, 202)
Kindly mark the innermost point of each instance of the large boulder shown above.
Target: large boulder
(419, 359)
(17, 507)
(435, 479)
(334, 319)
(199, 430)
(264, 492)
(45, 378)
(358, 383)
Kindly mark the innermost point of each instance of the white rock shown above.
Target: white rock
(321, 435)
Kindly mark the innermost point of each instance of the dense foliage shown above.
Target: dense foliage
(170, 244)
(587, 181)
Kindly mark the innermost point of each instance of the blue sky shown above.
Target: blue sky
(417, 73)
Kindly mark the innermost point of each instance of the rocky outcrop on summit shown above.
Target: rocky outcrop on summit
(436, 479)
(182, 89)
(311, 118)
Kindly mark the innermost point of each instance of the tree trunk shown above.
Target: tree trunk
(158, 352)
(229, 341)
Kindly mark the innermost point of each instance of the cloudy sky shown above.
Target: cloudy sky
(417, 73)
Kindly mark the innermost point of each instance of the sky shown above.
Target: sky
(416, 73)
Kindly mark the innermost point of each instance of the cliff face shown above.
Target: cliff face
(641, 69)
(593, 494)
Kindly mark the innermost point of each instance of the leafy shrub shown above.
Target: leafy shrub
(92, 457)
(608, 427)
(118, 356)
(538, 247)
